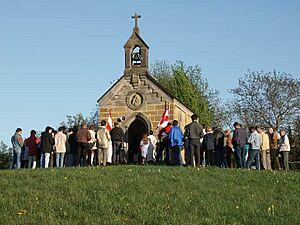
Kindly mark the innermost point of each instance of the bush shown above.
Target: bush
(5, 156)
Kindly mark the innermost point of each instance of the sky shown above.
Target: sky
(57, 57)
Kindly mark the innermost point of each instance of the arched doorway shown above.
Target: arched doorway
(135, 132)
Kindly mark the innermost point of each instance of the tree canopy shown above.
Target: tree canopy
(79, 118)
(187, 84)
(267, 99)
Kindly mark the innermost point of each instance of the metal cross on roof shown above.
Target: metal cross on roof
(136, 17)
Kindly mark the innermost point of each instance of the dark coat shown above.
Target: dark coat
(117, 134)
(239, 138)
(194, 131)
(208, 143)
(73, 142)
(47, 142)
(219, 139)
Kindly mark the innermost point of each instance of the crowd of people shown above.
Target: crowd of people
(256, 147)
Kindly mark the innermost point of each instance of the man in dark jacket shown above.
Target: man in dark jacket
(117, 138)
(193, 132)
(82, 137)
(239, 140)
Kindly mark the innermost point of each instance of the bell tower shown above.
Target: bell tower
(136, 53)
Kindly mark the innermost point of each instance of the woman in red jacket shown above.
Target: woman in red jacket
(32, 143)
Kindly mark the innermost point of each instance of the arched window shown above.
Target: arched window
(136, 56)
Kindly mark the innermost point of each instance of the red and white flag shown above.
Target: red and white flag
(109, 121)
(164, 119)
(109, 127)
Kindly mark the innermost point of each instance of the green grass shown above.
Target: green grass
(149, 195)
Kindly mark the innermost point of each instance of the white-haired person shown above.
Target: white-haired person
(284, 149)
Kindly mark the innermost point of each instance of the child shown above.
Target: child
(144, 147)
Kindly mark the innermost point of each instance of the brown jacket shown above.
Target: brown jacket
(273, 141)
(83, 135)
(228, 143)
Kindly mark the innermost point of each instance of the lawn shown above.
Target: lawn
(149, 195)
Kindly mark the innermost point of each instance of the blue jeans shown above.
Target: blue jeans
(253, 157)
(44, 160)
(239, 152)
(60, 159)
(42, 163)
(16, 161)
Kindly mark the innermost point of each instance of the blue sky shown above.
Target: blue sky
(58, 57)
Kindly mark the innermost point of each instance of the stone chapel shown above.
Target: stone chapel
(137, 97)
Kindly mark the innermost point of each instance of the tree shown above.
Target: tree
(79, 118)
(188, 85)
(5, 156)
(224, 115)
(294, 136)
(74, 120)
(267, 99)
(94, 117)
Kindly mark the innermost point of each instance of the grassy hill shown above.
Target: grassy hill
(149, 195)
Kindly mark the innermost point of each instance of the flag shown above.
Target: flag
(164, 119)
(109, 121)
(109, 127)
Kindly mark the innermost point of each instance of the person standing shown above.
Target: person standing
(255, 142)
(228, 149)
(284, 149)
(194, 132)
(71, 161)
(208, 146)
(273, 137)
(219, 148)
(152, 148)
(117, 138)
(144, 146)
(17, 144)
(32, 143)
(47, 142)
(239, 140)
(60, 146)
(202, 153)
(68, 147)
(92, 145)
(103, 143)
(24, 155)
(264, 149)
(83, 137)
(175, 142)
(163, 153)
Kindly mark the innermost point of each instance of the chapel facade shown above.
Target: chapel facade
(137, 98)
